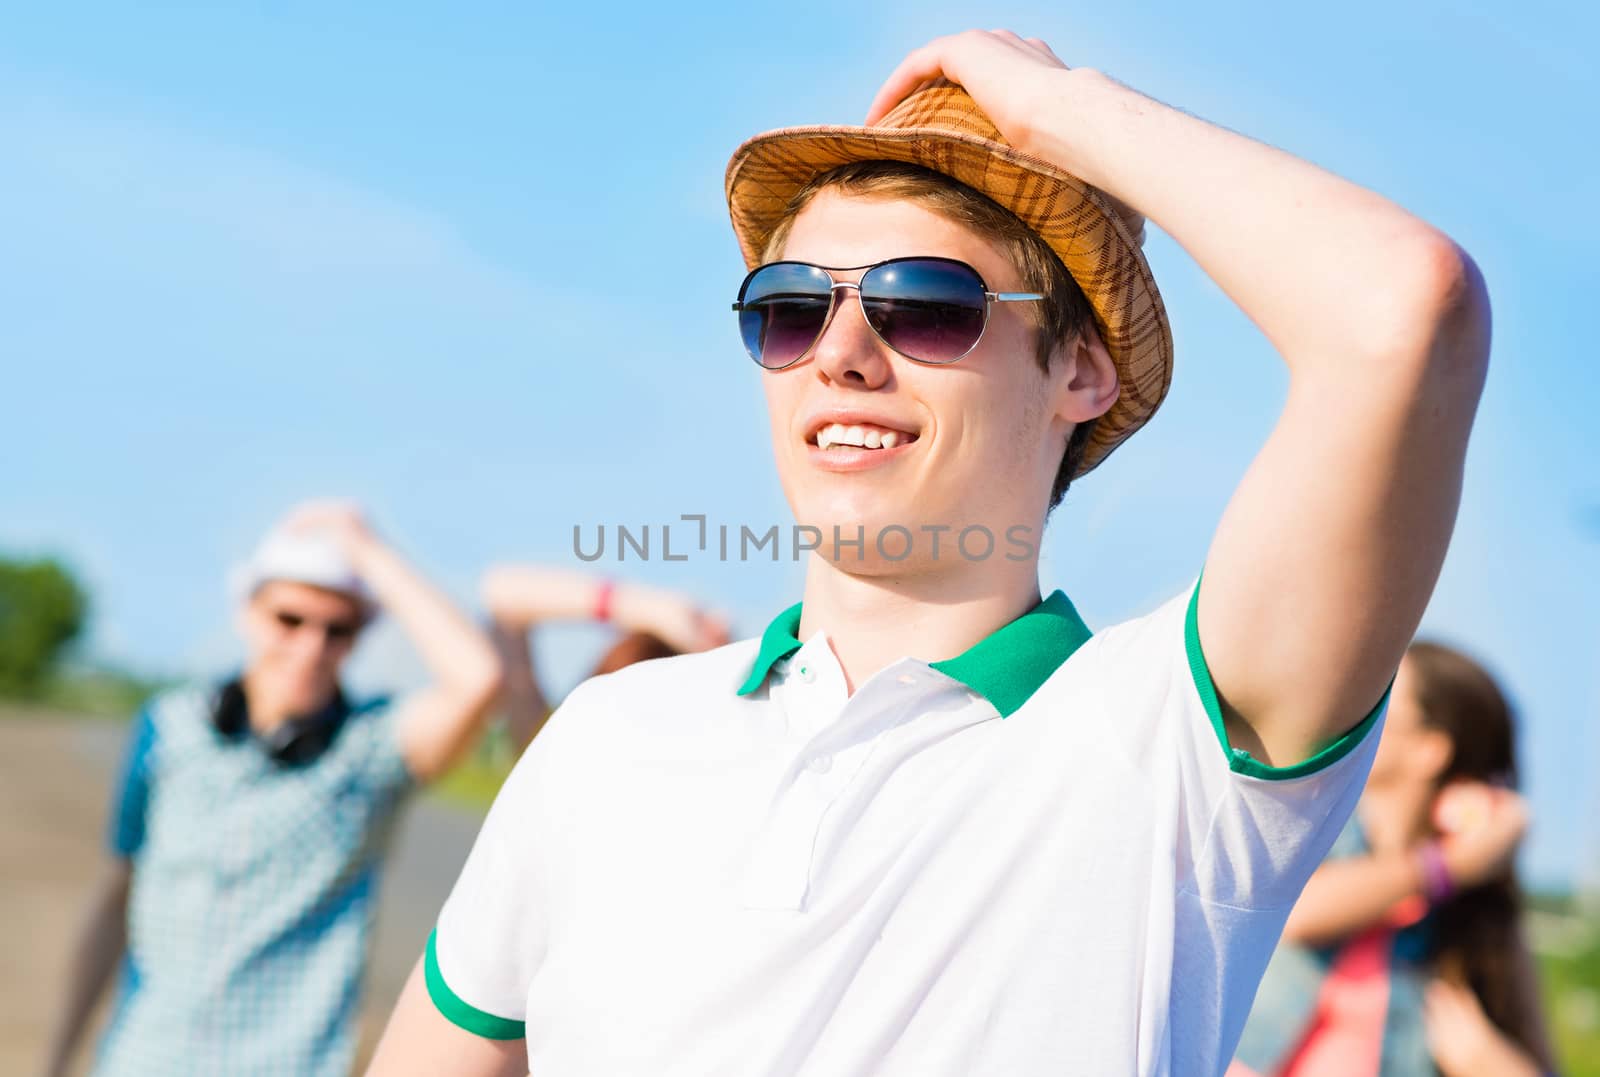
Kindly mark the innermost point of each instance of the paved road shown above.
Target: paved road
(55, 776)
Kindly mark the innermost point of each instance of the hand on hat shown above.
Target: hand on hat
(1009, 77)
(343, 521)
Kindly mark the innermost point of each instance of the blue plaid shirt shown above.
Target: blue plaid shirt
(253, 888)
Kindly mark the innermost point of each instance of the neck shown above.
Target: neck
(267, 708)
(872, 621)
(1396, 817)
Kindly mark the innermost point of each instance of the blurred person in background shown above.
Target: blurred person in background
(655, 623)
(253, 814)
(1405, 956)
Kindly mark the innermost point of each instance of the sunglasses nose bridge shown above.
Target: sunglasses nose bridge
(835, 302)
(851, 353)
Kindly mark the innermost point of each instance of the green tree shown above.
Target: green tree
(42, 609)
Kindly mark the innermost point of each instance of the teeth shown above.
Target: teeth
(859, 436)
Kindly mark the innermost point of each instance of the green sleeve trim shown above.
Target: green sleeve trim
(1239, 760)
(460, 1013)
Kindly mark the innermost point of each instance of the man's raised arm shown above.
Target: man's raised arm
(1330, 547)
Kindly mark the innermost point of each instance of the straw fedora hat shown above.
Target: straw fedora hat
(939, 127)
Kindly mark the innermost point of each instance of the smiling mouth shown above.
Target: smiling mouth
(859, 436)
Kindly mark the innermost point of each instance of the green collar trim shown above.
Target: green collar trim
(777, 642)
(1006, 667)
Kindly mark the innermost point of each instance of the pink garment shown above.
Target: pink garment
(1346, 1038)
(1346, 1034)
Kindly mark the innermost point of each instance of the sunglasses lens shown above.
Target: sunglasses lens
(782, 310)
(931, 310)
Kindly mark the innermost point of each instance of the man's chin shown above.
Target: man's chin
(881, 541)
(308, 700)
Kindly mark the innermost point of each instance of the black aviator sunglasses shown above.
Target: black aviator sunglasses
(930, 310)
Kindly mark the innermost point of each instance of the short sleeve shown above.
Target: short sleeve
(131, 800)
(1266, 828)
(491, 936)
(1246, 836)
(369, 745)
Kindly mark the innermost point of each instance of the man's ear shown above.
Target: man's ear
(1091, 383)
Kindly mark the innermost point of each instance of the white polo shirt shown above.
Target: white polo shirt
(1039, 857)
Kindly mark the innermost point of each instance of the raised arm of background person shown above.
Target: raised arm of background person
(523, 705)
(531, 594)
(1351, 894)
(101, 941)
(440, 721)
(420, 1042)
(518, 598)
(1329, 550)
(521, 597)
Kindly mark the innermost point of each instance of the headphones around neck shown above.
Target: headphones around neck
(293, 742)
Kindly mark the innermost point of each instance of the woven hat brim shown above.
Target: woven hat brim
(1077, 221)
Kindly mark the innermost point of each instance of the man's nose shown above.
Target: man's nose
(849, 352)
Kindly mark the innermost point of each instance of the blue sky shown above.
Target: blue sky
(280, 251)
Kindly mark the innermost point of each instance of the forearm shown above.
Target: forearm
(1383, 325)
(1330, 272)
(457, 654)
(522, 698)
(418, 1040)
(1351, 894)
(101, 942)
(529, 594)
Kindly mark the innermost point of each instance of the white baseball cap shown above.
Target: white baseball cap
(302, 556)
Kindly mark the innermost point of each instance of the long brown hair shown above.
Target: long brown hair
(1476, 936)
(631, 648)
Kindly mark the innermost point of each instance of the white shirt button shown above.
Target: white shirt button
(821, 764)
(807, 674)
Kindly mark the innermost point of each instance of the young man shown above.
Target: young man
(252, 816)
(928, 824)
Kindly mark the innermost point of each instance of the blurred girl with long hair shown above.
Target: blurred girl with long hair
(1405, 955)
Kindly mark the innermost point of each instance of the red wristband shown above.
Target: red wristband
(602, 600)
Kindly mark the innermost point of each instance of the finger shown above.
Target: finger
(955, 57)
(1038, 43)
(1033, 47)
(922, 65)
